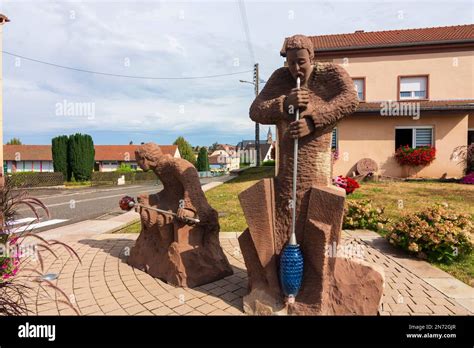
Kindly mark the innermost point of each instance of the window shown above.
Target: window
(470, 136)
(334, 139)
(413, 87)
(36, 166)
(413, 136)
(359, 84)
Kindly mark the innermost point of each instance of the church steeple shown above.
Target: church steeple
(269, 136)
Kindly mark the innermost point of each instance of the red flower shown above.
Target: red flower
(346, 183)
(418, 156)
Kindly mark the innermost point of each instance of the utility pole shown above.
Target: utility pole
(257, 126)
(3, 20)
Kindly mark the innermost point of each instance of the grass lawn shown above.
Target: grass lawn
(415, 196)
(462, 269)
(224, 198)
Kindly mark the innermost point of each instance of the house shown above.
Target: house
(247, 150)
(109, 157)
(265, 153)
(27, 158)
(415, 88)
(38, 158)
(224, 160)
(226, 147)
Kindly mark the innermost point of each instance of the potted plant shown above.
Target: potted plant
(17, 276)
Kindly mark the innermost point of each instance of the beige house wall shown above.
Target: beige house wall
(451, 74)
(373, 136)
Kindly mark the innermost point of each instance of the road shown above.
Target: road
(67, 206)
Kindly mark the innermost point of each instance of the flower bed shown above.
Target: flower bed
(419, 156)
(468, 179)
(435, 233)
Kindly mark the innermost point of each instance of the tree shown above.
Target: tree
(81, 156)
(202, 164)
(213, 147)
(185, 149)
(14, 141)
(59, 149)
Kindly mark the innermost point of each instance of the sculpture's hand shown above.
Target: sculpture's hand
(297, 99)
(301, 128)
(150, 218)
(183, 213)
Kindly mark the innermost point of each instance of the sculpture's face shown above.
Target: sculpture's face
(143, 163)
(299, 63)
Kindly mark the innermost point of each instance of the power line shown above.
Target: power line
(125, 76)
(245, 23)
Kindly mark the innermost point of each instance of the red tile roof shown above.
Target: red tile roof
(393, 38)
(425, 105)
(27, 153)
(215, 159)
(102, 152)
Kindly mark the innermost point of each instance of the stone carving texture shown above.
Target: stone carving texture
(168, 248)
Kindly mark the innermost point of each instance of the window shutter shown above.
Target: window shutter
(334, 139)
(423, 136)
(413, 87)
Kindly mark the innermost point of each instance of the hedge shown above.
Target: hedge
(110, 178)
(34, 179)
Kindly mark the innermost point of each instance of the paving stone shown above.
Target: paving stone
(206, 308)
(162, 311)
(183, 309)
(417, 309)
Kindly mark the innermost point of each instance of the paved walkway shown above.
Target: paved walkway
(105, 284)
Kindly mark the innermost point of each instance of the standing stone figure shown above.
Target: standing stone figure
(168, 248)
(327, 94)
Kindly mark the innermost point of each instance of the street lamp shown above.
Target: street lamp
(3, 19)
(255, 83)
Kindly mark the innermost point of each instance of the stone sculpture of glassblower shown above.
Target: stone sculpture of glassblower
(329, 285)
(179, 240)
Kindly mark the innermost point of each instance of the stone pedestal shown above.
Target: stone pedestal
(177, 253)
(332, 283)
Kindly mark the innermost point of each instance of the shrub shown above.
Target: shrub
(59, 150)
(110, 178)
(363, 215)
(35, 179)
(418, 156)
(124, 168)
(466, 155)
(468, 179)
(202, 163)
(435, 233)
(269, 163)
(348, 184)
(81, 156)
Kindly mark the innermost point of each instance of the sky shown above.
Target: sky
(159, 39)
